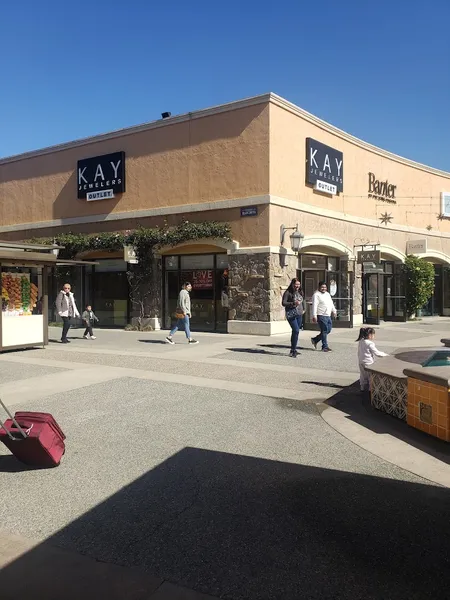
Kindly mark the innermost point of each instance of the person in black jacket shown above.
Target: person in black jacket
(293, 303)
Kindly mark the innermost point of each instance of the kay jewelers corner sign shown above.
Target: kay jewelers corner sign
(324, 167)
(101, 177)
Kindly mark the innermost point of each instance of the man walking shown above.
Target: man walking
(183, 315)
(322, 309)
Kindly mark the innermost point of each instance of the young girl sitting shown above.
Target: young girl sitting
(366, 354)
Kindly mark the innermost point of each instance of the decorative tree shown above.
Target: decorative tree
(419, 283)
(143, 277)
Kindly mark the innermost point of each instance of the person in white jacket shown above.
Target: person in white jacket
(67, 309)
(367, 351)
(322, 310)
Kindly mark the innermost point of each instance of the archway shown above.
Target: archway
(323, 258)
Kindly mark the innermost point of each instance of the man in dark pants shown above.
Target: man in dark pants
(322, 309)
(67, 309)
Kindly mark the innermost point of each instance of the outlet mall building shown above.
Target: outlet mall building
(258, 164)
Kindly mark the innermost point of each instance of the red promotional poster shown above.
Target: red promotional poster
(202, 280)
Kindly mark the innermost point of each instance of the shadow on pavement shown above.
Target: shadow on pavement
(163, 342)
(359, 409)
(248, 528)
(10, 464)
(267, 352)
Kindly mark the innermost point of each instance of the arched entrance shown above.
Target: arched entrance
(327, 259)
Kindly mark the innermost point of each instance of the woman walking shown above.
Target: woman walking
(293, 303)
(67, 309)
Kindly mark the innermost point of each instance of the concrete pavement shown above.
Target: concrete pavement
(225, 469)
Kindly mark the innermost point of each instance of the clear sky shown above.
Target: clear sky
(379, 70)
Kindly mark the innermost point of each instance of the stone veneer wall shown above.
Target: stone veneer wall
(256, 284)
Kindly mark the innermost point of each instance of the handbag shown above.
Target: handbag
(291, 313)
(179, 314)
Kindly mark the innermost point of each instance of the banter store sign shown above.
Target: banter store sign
(381, 190)
(101, 177)
(324, 167)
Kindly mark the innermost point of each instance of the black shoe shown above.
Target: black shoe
(191, 341)
(314, 343)
(169, 340)
(326, 350)
(65, 342)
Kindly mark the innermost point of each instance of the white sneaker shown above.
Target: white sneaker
(93, 337)
(85, 337)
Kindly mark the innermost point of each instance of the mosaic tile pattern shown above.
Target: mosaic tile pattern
(389, 394)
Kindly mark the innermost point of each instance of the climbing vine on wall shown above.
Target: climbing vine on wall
(143, 239)
(144, 284)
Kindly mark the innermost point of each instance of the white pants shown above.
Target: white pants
(364, 376)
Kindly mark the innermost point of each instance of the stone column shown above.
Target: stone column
(257, 280)
(146, 294)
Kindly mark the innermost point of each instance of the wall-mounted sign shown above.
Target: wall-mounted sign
(104, 195)
(381, 190)
(101, 174)
(416, 247)
(368, 256)
(445, 204)
(249, 211)
(130, 255)
(326, 188)
(324, 164)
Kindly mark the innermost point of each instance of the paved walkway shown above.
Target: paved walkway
(222, 470)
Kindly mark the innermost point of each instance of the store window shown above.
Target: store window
(208, 274)
(108, 288)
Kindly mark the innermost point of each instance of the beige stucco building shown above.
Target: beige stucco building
(257, 164)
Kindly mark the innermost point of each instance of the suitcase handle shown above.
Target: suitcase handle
(16, 424)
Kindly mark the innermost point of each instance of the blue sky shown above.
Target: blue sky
(380, 71)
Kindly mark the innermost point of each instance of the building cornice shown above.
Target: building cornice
(303, 114)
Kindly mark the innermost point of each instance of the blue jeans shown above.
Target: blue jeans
(182, 324)
(296, 325)
(325, 324)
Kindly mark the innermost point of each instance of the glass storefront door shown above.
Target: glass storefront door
(394, 300)
(208, 274)
(371, 298)
(334, 271)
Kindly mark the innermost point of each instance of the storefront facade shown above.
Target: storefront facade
(257, 164)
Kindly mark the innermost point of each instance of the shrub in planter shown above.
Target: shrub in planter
(419, 283)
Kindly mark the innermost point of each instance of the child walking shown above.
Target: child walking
(89, 319)
(366, 354)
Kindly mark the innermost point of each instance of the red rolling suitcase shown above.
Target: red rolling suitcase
(34, 438)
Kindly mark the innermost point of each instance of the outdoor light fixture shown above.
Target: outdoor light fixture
(166, 115)
(55, 251)
(296, 237)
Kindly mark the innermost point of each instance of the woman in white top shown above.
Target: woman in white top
(366, 354)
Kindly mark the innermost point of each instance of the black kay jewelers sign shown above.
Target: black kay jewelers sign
(324, 165)
(101, 177)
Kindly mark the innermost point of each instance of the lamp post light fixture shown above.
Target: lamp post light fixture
(296, 237)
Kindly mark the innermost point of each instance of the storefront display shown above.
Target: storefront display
(19, 295)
